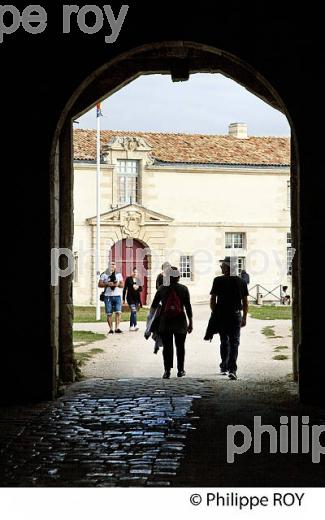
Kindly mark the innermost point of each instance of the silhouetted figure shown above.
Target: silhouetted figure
(160, 277)
(228, 299)
(245, 276)
(173, 323)
(131, 292)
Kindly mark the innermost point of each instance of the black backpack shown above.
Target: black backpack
(102, 294)
(172, 307)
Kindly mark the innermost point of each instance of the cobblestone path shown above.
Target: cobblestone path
(103, 433)
(151, 432)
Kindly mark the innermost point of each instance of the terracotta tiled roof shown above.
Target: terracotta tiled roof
(194, 148)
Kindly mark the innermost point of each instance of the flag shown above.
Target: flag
(99, 109)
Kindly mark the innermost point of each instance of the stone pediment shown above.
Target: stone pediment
(127, 143)
(131, 219)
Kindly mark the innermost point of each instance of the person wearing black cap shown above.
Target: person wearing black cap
(229, 301)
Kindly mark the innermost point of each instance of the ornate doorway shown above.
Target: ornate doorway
(129, 253)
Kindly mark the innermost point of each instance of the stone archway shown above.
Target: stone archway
(179, 59)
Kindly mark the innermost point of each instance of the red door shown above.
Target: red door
(129, 253)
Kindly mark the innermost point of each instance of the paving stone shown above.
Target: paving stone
(102, 433)
(165, 473)
(140, 471)
(158, 483)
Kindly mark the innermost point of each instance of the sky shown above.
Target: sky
(206, 104)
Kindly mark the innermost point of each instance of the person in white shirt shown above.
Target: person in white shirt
(113, 285)
(284, 297)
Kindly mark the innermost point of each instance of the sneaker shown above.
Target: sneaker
(166, 374)
(232, 375)
(132, 328)
(223, 373)
(110, 332)
(136, 328)
(181, 373)
(118, 331)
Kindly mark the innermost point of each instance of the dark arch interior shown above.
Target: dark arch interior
(275, 52)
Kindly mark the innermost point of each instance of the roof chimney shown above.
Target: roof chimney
(238, 130)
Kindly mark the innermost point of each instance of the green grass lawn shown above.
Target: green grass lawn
(270, 312)
(280, 357)
(82, 357)
(83, 338)
(268, 331)
(88, 314)
(259, 312)
(86, 336)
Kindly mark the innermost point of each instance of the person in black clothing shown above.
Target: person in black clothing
(160, 277)
(245, 276)
(131, 293)
(173, 323)
(228, 299)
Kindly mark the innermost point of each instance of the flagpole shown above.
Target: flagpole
(97, 266)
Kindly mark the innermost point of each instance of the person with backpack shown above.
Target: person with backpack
(175, 301)
(112, 283)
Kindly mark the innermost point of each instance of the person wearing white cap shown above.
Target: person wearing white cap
(162, 277)
(228, 299)
(175, 300)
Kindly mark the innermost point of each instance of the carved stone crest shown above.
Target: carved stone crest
(128, 143)
(131, 224)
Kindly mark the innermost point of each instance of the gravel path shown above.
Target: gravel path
(131, 355)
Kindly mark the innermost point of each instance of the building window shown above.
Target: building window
(240, 264)
(290, 252)
(186, 267)
(235, 240)
(75, 276)
(128, 173)
(288, 195)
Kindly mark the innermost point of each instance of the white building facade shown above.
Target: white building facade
(188, 199)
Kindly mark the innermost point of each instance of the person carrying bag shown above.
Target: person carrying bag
(176, 309)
